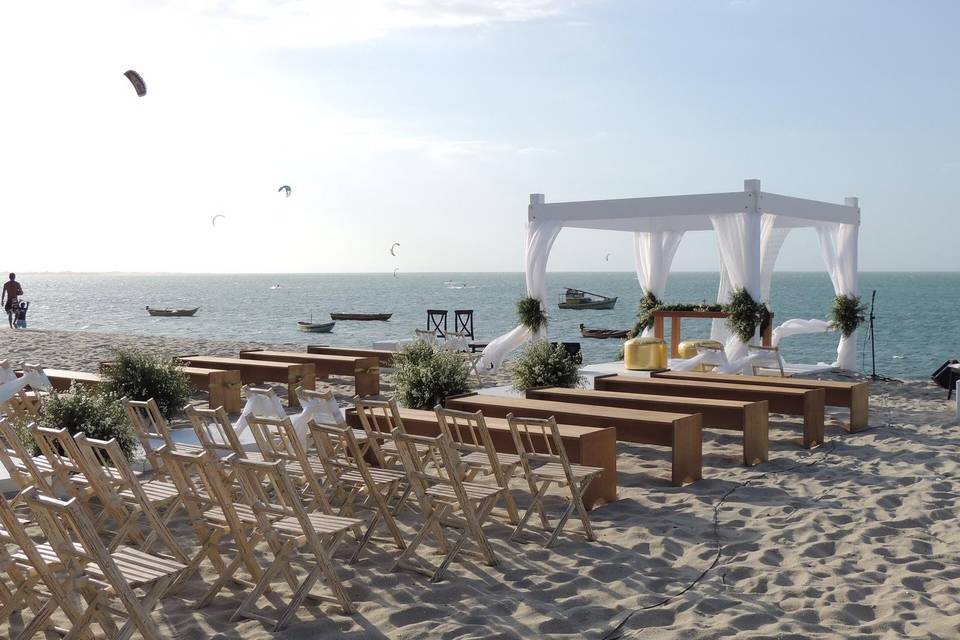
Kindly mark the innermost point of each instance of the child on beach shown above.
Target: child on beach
(21, 321)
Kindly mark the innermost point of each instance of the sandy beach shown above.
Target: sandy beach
(857, 537)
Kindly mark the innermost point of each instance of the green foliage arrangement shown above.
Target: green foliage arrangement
(531, 314)
(425, 374)
(544, 365)
(91, 412)
(138, 375)
(746, 315)
(650, 303)
(847, 313)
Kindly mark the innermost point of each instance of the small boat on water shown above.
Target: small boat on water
(360, 316)
(577, 299)
(315, 327)
(172, 313)
(602, 334)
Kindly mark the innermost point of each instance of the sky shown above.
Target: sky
(429, 123)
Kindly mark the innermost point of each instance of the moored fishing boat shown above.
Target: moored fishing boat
(360, 316)
(315, 327)
(577, 299)
(172, 313)
(602, 334)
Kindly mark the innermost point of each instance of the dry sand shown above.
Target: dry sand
(856, 538)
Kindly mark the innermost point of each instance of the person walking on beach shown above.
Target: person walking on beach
(11, 297)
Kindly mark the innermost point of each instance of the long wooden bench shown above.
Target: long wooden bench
(854, 396)
(750, 418)
(259, 371)
(681, 432)
(61, 379)
(595, 447)
(385, 357)
(365, 370)
(222, 386)
(808, 403)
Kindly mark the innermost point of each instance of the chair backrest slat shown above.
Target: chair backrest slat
(381, 421)
(215, 432)
(537, 439)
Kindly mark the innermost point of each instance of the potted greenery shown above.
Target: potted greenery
(543, 364)
(425, 374)
(92, 412)
(138, 375)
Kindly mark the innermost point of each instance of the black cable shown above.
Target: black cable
(616, 631)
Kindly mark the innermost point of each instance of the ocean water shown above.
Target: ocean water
(917, 321)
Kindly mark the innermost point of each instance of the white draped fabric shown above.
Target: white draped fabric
(771, 240)
(323, 411)
(738, 238)
(838, 245)
(540, 237)
(11, 388)
(798, 326)
(653, 254)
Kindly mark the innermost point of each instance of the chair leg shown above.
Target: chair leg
(582, 509)
(534, 505)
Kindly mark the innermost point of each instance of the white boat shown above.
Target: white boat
(315, 327)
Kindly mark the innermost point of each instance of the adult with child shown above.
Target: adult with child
(11, 298)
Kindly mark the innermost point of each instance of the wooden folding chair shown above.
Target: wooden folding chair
(469, 434)
(355, 485)
(39, 389)
(765, 357)
(445, 501)
(100, 575)
(108, 473)
(34, 582)
(381, 420)
(311, 538)
(215, 517)
(153, 431)
(25, 469)
(22, 406)
(216, 433)
(538, 441)
(278, 440)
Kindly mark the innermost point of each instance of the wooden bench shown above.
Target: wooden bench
(750, 418)
(365, 370)
(222, 386)
(257, 372)
(61, 379)
(808, 403)
(681, 432)
(385, 357)
(854, 396)
(584, 445)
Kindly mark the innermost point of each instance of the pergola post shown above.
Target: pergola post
(752, 241)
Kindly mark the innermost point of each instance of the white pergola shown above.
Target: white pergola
(751, 226)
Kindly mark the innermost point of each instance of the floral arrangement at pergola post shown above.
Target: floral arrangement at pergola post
(750, 225)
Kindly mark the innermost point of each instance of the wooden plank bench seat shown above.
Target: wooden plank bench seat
(808, 403)
(590, 446)
(365, 370)
(222, 386)
(749, 418)
(385, 357)
(681, 432)
(61, 379)
(854, 396)
(258, 371)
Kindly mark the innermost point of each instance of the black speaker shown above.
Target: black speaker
(946, 377)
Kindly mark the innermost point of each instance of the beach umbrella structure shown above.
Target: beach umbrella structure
(751, 226)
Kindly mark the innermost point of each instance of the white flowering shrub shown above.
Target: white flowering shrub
(545, 365)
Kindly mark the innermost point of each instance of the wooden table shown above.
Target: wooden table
(808, 403)
(594, 447)
(258, 371)
(365, 370)
(677, 316)
(385, 357)
(854, 396)
(680, 432)
(749, 418)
